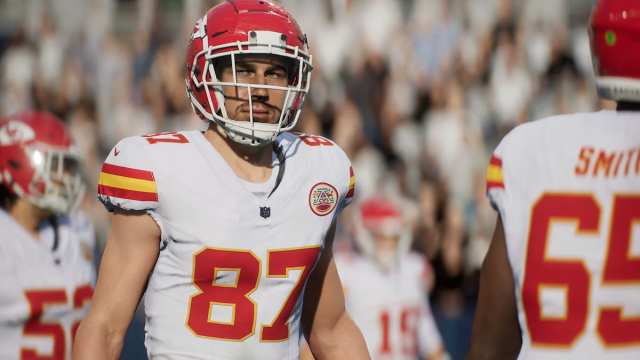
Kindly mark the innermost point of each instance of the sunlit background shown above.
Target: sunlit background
(417, 92)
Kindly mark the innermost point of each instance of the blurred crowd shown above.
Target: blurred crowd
(417, 92)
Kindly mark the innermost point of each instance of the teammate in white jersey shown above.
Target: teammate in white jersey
(46, 272)
(386, 287)
(562, 277)
(229, 231)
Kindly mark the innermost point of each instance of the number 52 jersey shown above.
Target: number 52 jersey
(45, 288)
(568, 192)
(235, 256)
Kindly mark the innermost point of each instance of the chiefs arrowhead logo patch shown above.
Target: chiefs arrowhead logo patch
(323, 198)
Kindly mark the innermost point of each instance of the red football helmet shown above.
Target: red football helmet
(615, 46)
(240, 27)
(38, 161)
(381, 231)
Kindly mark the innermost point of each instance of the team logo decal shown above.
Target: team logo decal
(200, 30)
(323, 198)
(15, 131)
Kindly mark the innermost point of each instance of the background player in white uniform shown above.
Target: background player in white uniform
(46, 274)
(562, 277)
(386, 286)
(232, 227)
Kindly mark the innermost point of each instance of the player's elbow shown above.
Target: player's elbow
(97, 337)
(325, 337)
(337, 340)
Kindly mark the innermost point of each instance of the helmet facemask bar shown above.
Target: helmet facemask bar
(57, 183)
(251, 132)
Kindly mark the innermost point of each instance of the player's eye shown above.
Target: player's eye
(243, 71)
(277, 76)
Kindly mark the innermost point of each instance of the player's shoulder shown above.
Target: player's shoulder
(416, 262)
(151, 144)
(11, 233)
(350, 262)
(129, 175)
(320, 158)
(306, 146)
(554, 127)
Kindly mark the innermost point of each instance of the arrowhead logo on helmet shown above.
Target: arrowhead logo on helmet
(39, 162)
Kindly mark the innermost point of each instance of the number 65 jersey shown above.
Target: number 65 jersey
(568, 192)
(235, 256)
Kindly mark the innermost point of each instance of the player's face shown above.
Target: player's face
(386, 245)
(266, 104)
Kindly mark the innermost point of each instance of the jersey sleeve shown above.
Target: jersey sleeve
(495, 177)
(127, 180)
(348, 179)
(327, 152)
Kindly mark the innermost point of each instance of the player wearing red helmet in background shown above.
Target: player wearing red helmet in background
(386, 286)
(232, 250)
(46, 272)
(561, 279)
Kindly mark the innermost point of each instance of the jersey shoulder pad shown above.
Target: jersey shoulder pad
(497, 168)
(127, 180)
(515, 155)
(328, 157)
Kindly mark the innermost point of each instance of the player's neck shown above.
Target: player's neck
(28, 216)
(628, 106)
(253, 164)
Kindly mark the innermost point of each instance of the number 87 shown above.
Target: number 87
(247, 267)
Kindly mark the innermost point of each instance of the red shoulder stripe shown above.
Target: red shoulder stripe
(127, 194)
(127, 171)
(494, 184)
(495, 160)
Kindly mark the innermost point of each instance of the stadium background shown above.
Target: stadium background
(417, 92)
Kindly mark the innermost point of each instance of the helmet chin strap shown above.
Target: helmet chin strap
(238, 137)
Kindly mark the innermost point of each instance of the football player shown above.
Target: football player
(562, 276)
(386, 286)
(46, 272)
(228, 231)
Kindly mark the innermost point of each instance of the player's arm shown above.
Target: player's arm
(496, 332)
(129, 257)
(329, 330)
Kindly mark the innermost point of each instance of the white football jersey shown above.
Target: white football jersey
(235, 256)
(391, 308)
(568, 192)
(45, 290)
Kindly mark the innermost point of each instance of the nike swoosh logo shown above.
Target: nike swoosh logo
(116, 152)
